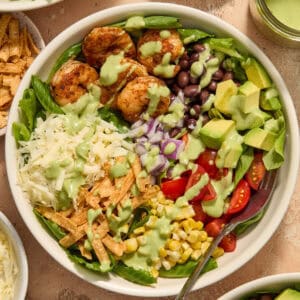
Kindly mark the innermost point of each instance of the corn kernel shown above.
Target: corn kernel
(185, 246)
(218, 252)
(204, 247)
(187, 225)
(141, 240)
(203, 236)
(209, 239)
(154, 272)
(186, 254)
(157, 266)
(197, 245)
(162, 252)
(198, 225)
(152, 221)
(175, 236)
(172, 263)
(182, 234)
(173, 256)
(185, 212)
(131, 245)
(196, 254)
(193, 236)
(175, 226)
(160, 209)
(174, 245)
(139, 230)
(154, 211)
(166, 265)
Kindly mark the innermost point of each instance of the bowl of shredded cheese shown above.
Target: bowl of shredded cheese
(13, 262)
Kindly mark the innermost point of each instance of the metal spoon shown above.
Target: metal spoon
(256, 204)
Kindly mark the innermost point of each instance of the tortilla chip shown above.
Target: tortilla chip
(5, 97)
(84, 252)
(25, 49)
(71, 238)
(100, 250)
(14, 38)
(4, 21)
(12, 68)
(4, 53)
(12, 82)
(113, 246)
(32, 46)
(3, 118)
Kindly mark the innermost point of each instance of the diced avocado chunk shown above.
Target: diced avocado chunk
(256, 73)
(251, 99)
(260, 139)
(215, 132)
(288, 294)
(269, 100)
(230, 151)
(225, 90)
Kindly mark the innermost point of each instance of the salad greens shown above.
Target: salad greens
(243, 164)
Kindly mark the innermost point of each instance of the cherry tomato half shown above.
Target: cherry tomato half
(256, 172)
(200, 215)
(207, 160)
(228, 243)
(240, 197)
(175, 188)
(214, 227)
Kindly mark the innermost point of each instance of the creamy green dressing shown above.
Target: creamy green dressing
(135, 23)
(150, 48)
(119, 170)
(286, 11)
(164, 34)
(211, 67)
(174, 115)
(192, 150)
(170, 148)
(154, 92)
(82, 150)
(197, 67)
(111, 69)
(165, 69)
(156, 238)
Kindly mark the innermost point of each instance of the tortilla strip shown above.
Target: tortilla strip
(141, 182)
(124, 184)
(93, 201)
(4, 53)
(113, 246)
(4, 21)
(80, 201)
(12, 68)
(71, 238)
(12, 82)
(103, 188)
(100, 250)
(3, 118)
(32, 46)
(67, 213)
(80, 216)
(14, 38)
(84, 252)
(102, 229)
(5, 96)
(25, 50)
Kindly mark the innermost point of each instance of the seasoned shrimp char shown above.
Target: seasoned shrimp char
(146, 139)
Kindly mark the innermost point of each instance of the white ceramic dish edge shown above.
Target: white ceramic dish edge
(248, 245)
(11, 233)
(9, 6)
(278, 281)
(36, 35)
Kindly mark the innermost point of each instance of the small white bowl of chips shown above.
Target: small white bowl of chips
(21, 5)
(20, 43)
(13, 262)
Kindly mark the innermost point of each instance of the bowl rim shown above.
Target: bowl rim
(19, 251)
(25, 5)
(261, 283)
(179, 10)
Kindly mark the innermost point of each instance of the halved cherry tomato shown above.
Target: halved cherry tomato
(175, 188)
(214, 227)
(256, 172)
(240, 197)
(228, 243)
(209, 193)
(200, 215)
(207, 160)
(195, 177)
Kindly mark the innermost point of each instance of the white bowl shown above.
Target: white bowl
(21, 5)
(250, 243)
(270, 283)
(22, 278)
(36, 35)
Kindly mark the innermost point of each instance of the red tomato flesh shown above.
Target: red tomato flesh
(200, 215)
(228, 243)
(175, 188)
(240, 197)
(256, 172)
(214, 227)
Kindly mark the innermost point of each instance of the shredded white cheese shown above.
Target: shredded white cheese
(51, 141)
(8, 268)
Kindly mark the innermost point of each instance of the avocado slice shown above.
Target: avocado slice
(260, 139)
(225, 90)
(269, 100)
(256, 73)
(288, 294)
(251, 96)
(215, 132)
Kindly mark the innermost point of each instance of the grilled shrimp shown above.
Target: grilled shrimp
(159, 50)
(104, 41)
(132, 70)
(134, 98)
(71, 81)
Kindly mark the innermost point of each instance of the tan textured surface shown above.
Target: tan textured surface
(48, 280)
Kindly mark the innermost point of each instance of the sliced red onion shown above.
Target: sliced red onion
(137, 124)
(179, 146)
(138, 132)
(156, 137)
(160, 164)
(152, 126)
(142, 139)
(140, 148)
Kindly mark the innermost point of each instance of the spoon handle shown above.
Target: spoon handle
(194, 276)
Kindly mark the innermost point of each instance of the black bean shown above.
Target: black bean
(191, 124)
(174, 131)
(175, 89)
(186, 118)
(185, 55)
(194, 80)
(191, 91)
(169, 81)
(218, 75)
(212, 86)
(184, 64)
(196, 108)
(205, 119)
(198, 47)
(194, 56)
(228, 75)
(204, 94)
(183, 79)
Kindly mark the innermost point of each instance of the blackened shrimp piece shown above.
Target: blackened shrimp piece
(102, 42)
(71, 81)
(124, 70)
(159, 51)
(143, 94)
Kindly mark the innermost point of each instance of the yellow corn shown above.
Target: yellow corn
(193, 236)
(202, 236)
(139, 230)
(175, 226)
(152, 221)
(197, 245)
(186, 254)
(131, 245)
(173, 256)
(182, 234)
(141, 240)
(160, 209)
(204, 247)
(162, 252)
(196, 254)
(185, 246)
(209, 239)
(187, 225)
(185, 212)
(154, 272)
(198, 225)
(175, 236)
(174, 245)
(154, 211)
(218, 252)
(124, 228)
(166, 264)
